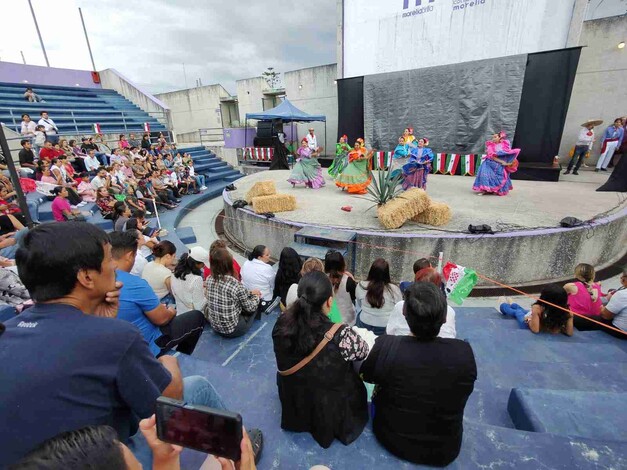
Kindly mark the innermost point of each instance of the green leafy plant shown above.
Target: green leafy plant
(384, 187)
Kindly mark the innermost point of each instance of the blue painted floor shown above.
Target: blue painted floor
(243, 371)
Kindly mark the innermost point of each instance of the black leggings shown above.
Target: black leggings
(183, 332)
(243, 325)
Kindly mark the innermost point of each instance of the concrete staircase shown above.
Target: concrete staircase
(206, 163)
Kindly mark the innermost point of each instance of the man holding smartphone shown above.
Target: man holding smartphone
(67, 362)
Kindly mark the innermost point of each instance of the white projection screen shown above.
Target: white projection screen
(383, 36)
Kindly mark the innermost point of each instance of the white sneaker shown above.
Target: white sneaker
(202, 188)
(148, 213)
(81, 204)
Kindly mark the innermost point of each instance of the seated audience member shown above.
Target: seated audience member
(236, 267)
(145, 244)
(12, 291)
(99, 448)
(187, 283)
(122, 142)
(200, 179)
(585, 297)
(102, 180)
(121, 215)
(310, 264)
(325, 397)
(10, 240)
(49, 152)
(397, 324)
(258, 274)
(287, 274)
(422, 263)
(376, 298)
(134, 203)
(616, 309)
(162, 189)
(160, 326)
(145, 143)
(133, 141)
(10, 208)
(32, 97)
(105, 202)
(70, 273)
(62, 210)
(422, 385)
(231, 308)
(85, 190)
(26, 155)
(159, 271)
(39, 140)
(92, 164)
(344, 285)
(117, 157)
(543, 317)
(28, 126)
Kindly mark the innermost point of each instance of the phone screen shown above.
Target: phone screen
(215, 432)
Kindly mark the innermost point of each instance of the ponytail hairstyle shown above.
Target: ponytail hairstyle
(585, 273)
(378, 280)
(554, 318)
(301, 323)
(118, 209)
(163, 248)
(334, 266)
(186, 265)
(257, 252)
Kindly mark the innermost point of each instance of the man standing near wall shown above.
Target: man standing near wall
(50, 128)
(312, 141)
(612, 139)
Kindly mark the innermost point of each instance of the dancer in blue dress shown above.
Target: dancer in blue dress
(415, 171)
(499, 163)
(400, 157)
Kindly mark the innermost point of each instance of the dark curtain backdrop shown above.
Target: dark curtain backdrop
(457, 107)
(350, 94)
(547, 87)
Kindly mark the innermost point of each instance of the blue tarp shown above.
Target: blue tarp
(287, 112)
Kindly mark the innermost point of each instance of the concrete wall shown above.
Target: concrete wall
(599, 90)
(250, 96)
(11, 72)
(195, 108)
(314, 91)
(114, 80)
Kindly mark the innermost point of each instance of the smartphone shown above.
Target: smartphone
(216, 432)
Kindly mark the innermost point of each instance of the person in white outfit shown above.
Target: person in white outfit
(612, 139)
(312, 141)
(50, 128)
(258, 274)
(187, 283)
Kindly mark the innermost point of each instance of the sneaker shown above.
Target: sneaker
(162, 233)
(567, 172)
(603, 169)
(575, 173)
(203, 188)
(256, 439)
(148, 213)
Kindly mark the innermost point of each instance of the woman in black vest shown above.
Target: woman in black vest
(325, 396)
(422, 383)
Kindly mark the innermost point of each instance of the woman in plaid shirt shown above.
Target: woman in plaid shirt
(230, 306)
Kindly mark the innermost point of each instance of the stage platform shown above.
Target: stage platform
(529, 246)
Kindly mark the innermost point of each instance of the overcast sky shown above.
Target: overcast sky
(149, 40)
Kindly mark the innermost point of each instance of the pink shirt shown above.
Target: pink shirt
(48, 179)
(581, 302)
(87, 191)
(58, 206)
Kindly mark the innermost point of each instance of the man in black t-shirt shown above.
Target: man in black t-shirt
(68, 362)
(26, 155)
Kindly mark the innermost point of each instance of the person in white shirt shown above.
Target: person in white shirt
(397, 324)
(91, 162)
(616, 308)
(582, 147)
(187, 283)
(50, 128)
(28, 126)
(312, 141)
(376, 297)
(158, 273)
(257, 274)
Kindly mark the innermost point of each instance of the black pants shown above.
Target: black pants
(584, 325)
(243, 325)
(183, 332)
(579, 155)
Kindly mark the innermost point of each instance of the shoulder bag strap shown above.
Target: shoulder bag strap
(328, 336)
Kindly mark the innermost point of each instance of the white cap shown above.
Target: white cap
(199, 254)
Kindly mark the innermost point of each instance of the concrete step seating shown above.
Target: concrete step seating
(75, 109)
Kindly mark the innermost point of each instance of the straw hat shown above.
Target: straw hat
(592, 122)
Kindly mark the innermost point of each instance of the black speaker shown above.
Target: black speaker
(264, 129)
(263, 141)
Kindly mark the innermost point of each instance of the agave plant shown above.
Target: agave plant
(384, 187)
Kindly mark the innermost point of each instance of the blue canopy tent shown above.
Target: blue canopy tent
(286, 112)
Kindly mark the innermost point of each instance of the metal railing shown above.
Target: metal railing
(211, 135)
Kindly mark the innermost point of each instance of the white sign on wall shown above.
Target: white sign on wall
(391, 35)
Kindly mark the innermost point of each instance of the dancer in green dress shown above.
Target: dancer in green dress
(341, 157)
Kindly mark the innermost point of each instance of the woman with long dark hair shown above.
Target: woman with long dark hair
(344, 285)
(324, 395)
(187, 283)
(376, 298)
(287, 274)
(158, 272)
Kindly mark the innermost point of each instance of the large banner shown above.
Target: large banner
(391, 35)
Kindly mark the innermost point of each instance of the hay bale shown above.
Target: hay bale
(274, 203)
(399, 210)
(262, 188)
(437, 214)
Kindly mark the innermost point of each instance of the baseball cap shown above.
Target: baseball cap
(199, 254)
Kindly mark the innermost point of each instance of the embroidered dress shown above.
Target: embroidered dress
(399, 159)
(415, 172)
(307, 170)
(357, 175)
(493, 177)
(341, 159)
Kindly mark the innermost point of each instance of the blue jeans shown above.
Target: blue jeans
(102, 157)
(578, 156)
(200, 180)
(516, 311)
(9, 251)
(197, 391)
(377, 330)
(33, 210)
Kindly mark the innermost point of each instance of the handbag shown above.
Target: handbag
(328, 336)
